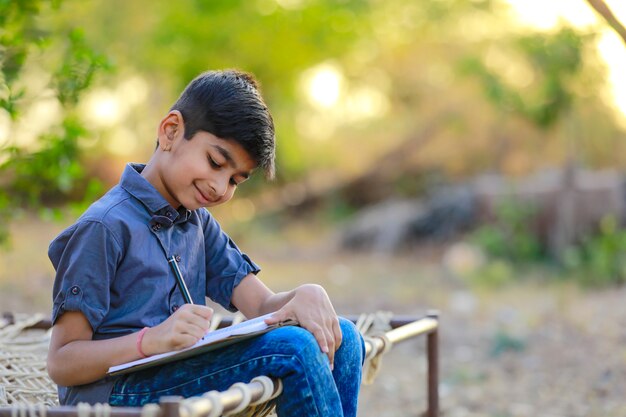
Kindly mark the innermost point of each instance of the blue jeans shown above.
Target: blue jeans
(291, 353)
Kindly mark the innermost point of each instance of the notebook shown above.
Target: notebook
(212, 340)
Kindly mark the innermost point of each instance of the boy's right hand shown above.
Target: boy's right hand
(182, 329)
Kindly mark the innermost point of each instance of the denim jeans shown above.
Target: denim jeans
(291, 353)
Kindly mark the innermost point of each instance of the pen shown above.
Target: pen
(179, 280)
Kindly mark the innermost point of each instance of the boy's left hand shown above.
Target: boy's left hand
(312, 309)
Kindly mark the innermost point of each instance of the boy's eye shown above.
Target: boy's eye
(213, 163)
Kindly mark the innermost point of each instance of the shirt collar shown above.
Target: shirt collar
(142, 190)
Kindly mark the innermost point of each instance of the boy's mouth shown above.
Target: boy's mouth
(204, 198)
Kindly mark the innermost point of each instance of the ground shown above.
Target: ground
(528, 348)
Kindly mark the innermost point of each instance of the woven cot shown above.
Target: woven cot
(27, 391)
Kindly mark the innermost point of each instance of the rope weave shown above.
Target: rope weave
(373, 327)
(211, 404)
(27, 388)
(150, 410)
(373, 360)
(29, 410)
(23, 376)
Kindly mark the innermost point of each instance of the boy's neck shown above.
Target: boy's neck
(151, 173)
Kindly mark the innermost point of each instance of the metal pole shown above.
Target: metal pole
(426, 325)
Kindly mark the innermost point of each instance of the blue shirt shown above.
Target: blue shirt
(112, 265)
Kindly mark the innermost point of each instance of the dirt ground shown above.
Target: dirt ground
(525, 349)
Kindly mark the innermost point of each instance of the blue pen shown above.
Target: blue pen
(179, 280)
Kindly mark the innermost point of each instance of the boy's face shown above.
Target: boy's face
(203, 171)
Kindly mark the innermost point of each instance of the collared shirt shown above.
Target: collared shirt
(112, 265)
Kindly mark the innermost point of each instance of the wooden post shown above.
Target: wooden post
(432, 351)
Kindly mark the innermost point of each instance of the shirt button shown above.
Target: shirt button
(177, 258)
(156, 227)
(75, 290)
(174, 308)
(168, 214)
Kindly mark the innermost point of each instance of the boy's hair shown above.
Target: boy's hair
(228, 105)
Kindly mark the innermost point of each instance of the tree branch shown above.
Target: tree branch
(603, 10)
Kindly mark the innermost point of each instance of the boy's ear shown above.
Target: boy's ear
(171, 127)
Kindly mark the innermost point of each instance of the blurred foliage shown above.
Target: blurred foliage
(600, 260)
(509, 236)
(503, 342)
(404, 52)
(395, 62)
(172, 43)
(33, 175)
(553, 60)
(494, 273)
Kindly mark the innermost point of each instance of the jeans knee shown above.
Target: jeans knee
(299, 342)
(351, 338)
(293, 340)
(349, 332)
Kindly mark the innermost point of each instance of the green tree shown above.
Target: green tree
(555, 61)
(46, 168)
(405, 50)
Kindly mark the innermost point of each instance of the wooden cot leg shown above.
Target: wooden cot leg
(170, 405)
(432, 351)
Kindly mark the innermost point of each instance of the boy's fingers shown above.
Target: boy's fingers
(331, 358)
(277, 317)
(200, 323)
(193, 319)
(273, 319)
(202, 311)
(195, 331)
(320, 336)
(332, 346)
(185, 340)
(330, 339)
(337, 334)
(325, 343)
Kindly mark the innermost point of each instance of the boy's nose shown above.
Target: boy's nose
(219, 188)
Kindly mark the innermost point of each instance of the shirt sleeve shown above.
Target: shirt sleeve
(226, 265)
(85, 257)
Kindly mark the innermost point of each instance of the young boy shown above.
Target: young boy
(116, 298)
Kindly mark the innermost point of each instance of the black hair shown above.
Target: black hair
(228, 104)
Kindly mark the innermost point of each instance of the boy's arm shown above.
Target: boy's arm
(75, 359)
(308, 304)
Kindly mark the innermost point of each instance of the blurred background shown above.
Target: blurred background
(460, 155)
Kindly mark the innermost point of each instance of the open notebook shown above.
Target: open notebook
(212, 340)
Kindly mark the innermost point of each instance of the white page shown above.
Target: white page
(245, 327)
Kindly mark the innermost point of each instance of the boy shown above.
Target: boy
(116, 298)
